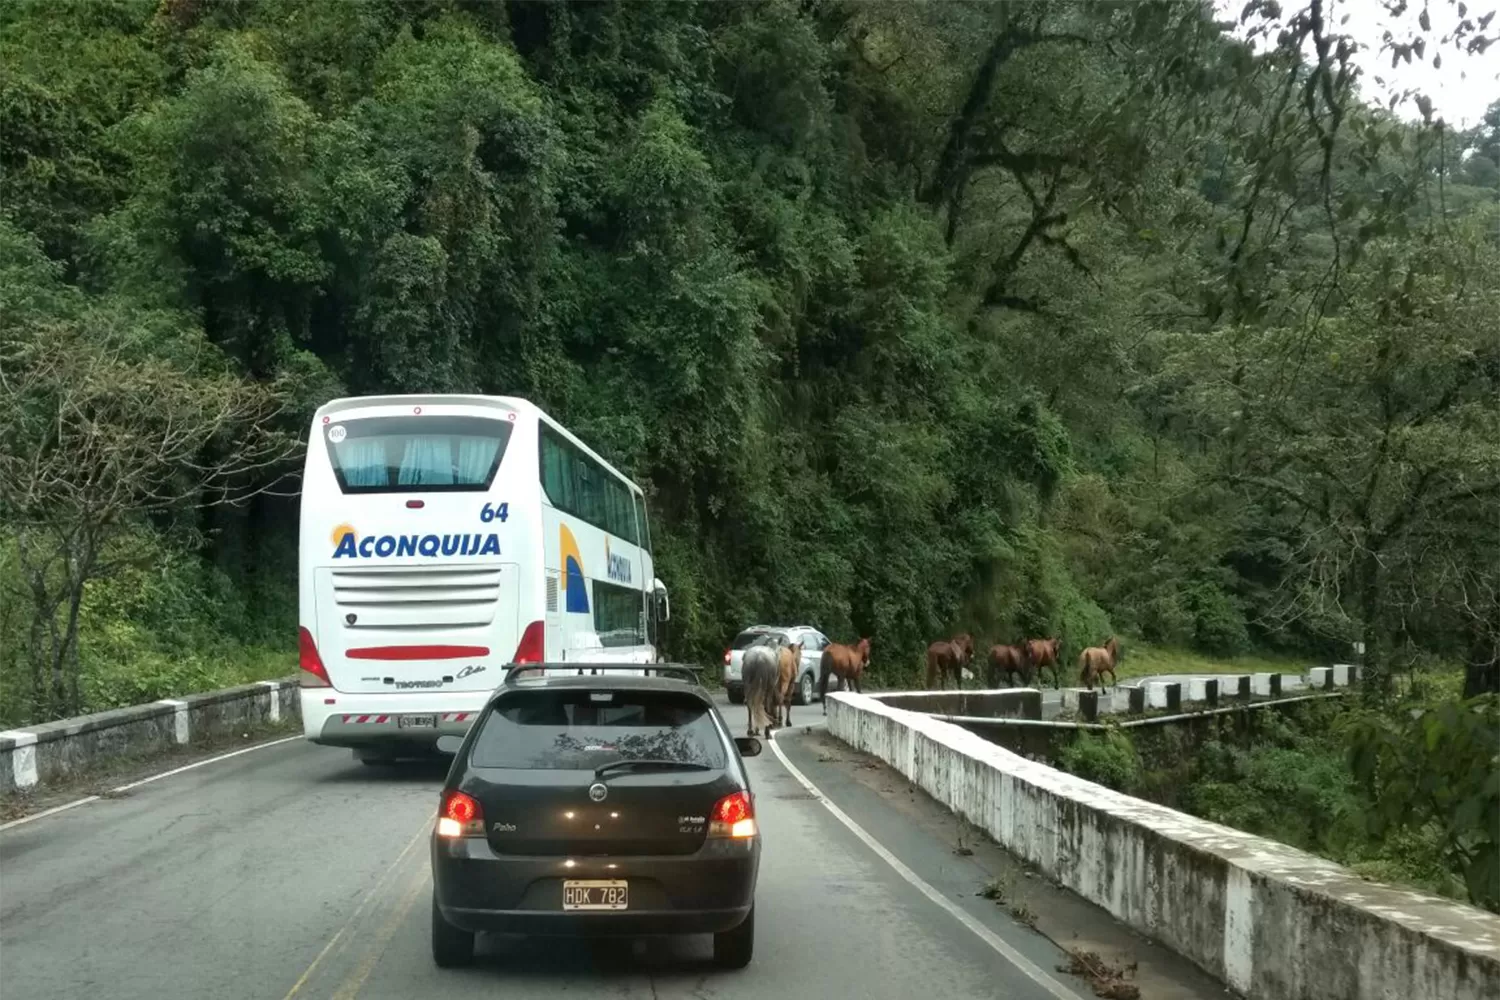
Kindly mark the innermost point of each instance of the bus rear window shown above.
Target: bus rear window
(416, 454)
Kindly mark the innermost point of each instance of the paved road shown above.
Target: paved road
(292, 871)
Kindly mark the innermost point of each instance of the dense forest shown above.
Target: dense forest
(1044, 318)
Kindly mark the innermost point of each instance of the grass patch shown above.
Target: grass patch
(145, 678)
(1144, 660)
(126, 674)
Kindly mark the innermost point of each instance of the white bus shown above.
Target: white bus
(444, 537)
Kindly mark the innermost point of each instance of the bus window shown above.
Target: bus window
(417, 454)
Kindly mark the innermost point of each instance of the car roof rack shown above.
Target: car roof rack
(677, 671)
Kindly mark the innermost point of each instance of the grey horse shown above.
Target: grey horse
(760, 670)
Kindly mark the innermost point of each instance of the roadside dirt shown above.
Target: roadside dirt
(106, 777)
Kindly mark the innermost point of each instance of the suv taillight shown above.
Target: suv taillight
(726, 657)
(733, 816)
(314, 675)
(460, 816)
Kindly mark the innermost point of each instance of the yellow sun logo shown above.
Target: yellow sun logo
(341, 531)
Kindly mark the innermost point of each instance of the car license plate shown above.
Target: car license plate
(416, 722)
(596, 894)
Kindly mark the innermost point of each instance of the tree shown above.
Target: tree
(100, 434)
(1367, 439)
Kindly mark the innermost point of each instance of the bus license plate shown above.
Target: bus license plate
(416, 722)
(596, 894)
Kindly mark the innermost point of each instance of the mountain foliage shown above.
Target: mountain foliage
(1054, 317)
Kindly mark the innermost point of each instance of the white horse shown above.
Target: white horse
(760, 673)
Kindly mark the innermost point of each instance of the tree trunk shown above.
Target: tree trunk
(1482, 669)
(1376, 659)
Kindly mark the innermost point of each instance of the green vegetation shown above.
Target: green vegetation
(1413, 799)
(1145, 660)
(1045, 318)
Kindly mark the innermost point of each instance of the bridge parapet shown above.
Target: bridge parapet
(1268, 920)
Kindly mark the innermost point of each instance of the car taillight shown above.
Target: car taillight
(733, 816)
(726, 657)
(533, 645)
(314, 675)
(460, 816)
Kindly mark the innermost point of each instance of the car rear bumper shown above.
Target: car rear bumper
(540, 923)
(365, 720)
(706, 892)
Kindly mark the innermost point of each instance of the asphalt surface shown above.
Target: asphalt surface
(293, 871)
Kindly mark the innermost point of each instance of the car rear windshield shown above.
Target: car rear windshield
(411, 454)
(582, 729)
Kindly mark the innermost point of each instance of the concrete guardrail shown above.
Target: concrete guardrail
(1000, 703)
(1270, 921)
(41, 754)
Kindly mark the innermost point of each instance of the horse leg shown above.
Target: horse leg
(823, 685)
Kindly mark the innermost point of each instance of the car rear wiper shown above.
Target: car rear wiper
(648, 764)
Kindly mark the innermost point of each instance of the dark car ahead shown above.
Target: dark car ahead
(598, 804)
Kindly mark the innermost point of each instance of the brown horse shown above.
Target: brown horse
(949, 656)
(1007, 662)
(1044, 653)
(789, 668)
(1097, 661)
(847, 663)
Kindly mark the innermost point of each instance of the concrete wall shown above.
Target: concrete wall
(1271, 922)
(47, 753)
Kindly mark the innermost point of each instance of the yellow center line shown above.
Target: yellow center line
(374, 890)
(351, 986)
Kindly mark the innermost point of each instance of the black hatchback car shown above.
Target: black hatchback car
(605, 803)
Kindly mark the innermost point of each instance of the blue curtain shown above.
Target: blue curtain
(363, 461)
(475, 456)
(426, 462)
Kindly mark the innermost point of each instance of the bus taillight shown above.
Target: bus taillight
(533, 647)
(314, 674)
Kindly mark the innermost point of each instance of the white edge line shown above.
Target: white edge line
(1033, 971)
(49, 812)
(144, 781)
(200, 763)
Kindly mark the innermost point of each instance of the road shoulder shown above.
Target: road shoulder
(105, 779)
(1030, 913)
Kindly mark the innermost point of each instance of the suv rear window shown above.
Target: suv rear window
(583, 729)
(744, 639)
(412, 454)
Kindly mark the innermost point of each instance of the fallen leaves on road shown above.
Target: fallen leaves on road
(1110, 981)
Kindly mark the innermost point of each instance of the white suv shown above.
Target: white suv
(813, 643)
